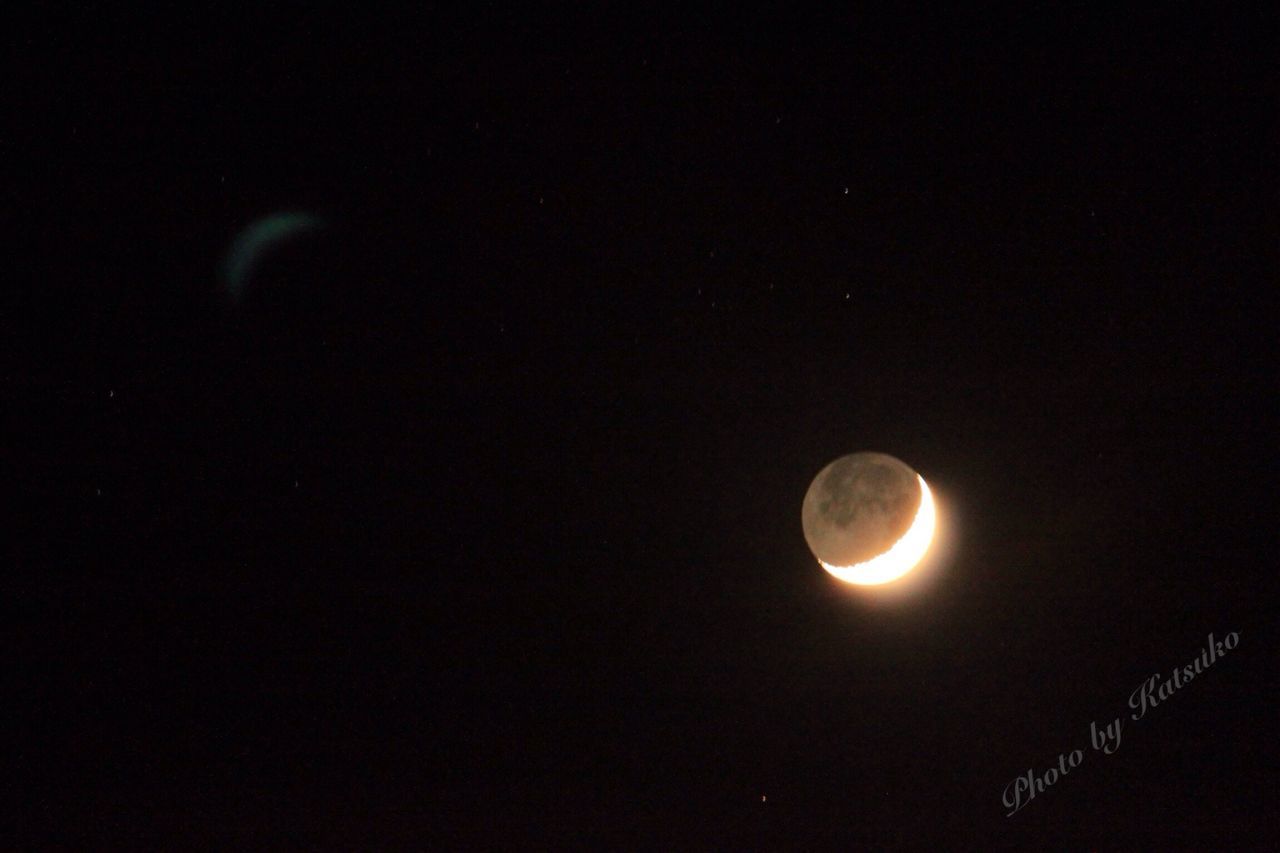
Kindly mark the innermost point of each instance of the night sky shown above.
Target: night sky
(473, 521)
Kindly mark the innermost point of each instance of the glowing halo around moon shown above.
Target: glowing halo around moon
(902, 557)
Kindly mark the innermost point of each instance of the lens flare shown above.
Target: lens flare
(902, 557)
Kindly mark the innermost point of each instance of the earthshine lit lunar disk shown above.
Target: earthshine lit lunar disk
(868, 518)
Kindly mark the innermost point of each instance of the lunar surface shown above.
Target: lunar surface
(868, 518)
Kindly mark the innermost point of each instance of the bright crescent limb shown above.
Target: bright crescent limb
(902, 557)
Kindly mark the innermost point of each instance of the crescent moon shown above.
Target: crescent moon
(255, 240)
(902, 557)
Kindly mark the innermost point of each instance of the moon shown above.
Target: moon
(256, 240)
(868, 518)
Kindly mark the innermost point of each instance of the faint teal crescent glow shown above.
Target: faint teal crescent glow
(255, 239)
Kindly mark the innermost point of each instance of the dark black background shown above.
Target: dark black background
(476, 523)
